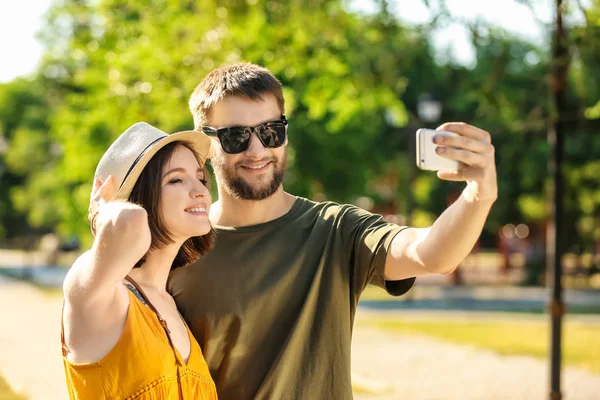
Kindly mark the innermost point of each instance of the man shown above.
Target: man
(273, 304)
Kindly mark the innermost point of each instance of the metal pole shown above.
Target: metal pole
(555, 225)
(411, 173)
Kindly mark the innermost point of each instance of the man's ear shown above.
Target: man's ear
(97, 183)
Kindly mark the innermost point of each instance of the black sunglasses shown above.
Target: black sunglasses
(236, 139)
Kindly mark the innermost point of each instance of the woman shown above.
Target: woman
(123, 337)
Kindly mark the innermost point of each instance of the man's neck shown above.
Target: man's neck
(229, 211)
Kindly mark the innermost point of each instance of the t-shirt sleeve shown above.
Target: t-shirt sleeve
(367, 238)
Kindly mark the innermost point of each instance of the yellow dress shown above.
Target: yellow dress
(143, 365)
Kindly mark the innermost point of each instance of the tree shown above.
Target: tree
(25, 152)
(112, 63)
(352, 83)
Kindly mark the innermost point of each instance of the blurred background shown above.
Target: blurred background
(360, 78)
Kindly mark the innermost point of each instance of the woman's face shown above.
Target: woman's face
(185, 200)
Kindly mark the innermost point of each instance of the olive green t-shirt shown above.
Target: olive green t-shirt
(272, 305)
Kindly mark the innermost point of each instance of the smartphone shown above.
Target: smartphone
(427, 158)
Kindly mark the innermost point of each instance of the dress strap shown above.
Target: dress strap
(162, 321)
(136, 292)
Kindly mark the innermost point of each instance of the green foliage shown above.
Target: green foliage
(112, 63)
(352, 85)
(24, 149)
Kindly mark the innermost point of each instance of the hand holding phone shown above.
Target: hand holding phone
(427, 158)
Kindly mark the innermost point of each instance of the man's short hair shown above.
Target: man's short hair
(242, 79)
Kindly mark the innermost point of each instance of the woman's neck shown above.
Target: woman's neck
(153, 274)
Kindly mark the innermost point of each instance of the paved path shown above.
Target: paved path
(30, 355)
(418, 368)
(390, 367)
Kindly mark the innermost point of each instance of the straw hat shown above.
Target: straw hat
(127, 157)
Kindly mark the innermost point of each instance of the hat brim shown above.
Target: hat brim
(199, 141)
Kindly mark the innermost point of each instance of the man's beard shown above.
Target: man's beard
(238, 188)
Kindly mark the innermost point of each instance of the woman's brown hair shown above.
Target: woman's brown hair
(147, 193)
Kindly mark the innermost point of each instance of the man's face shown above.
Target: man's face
(257, 172)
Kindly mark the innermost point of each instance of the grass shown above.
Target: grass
(375, 293)
(581, 343)
(6, 392)
(365, 386)
(50, 291)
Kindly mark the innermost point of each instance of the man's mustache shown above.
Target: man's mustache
(244, 163)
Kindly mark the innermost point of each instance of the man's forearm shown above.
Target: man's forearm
(443, 246)
(453, 235)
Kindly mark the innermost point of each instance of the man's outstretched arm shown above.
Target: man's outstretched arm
(442, 247)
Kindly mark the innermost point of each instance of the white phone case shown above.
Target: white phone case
(427, 158)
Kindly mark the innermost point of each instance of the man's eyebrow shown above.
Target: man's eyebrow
(243, 125)
(180, 170)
